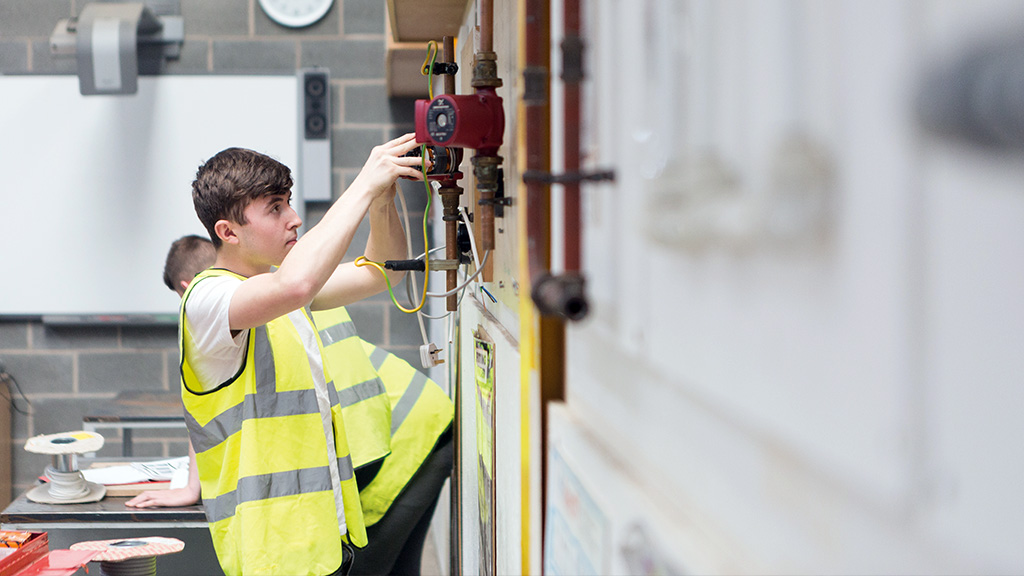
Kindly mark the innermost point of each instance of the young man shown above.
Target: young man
(271, 449)
(398, 494)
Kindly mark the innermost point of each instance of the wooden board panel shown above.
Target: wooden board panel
(422, 20)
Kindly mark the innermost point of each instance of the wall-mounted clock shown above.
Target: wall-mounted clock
(295, 13)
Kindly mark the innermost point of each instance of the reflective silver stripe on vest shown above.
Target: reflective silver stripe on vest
(337, 333)
(378, 357)
(408, 400)
(266, 403)
(264, 486)
(266, 376)
(345, 469)
(289, 403)
(362, 391)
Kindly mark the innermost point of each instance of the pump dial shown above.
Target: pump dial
(441, 121)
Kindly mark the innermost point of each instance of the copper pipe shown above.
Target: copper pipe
(449, 193)
(536, 118)
(486, 26)
(571, 119)
(486, 162)
(448, 56)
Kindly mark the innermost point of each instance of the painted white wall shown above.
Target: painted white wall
(806, 308)
(113, 177)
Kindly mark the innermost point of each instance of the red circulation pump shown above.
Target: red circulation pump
(474, 121)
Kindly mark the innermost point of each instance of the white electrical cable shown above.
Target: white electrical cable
(472, 241)
(408, 245)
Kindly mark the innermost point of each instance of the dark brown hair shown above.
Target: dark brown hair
(188, 256)
(228, 182)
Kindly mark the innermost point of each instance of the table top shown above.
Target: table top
(139, 406)
(109, 511)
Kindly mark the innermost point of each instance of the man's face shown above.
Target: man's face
(271, 230)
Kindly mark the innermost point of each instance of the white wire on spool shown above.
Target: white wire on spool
(66, 485)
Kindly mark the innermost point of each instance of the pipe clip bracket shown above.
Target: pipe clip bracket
(541, 177)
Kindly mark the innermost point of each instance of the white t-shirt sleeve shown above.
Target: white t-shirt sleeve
(216, 357)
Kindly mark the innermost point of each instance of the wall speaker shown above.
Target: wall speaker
(314, 170)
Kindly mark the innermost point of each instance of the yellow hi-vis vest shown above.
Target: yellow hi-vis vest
(420, 412)
(261, 453)
(364, 401)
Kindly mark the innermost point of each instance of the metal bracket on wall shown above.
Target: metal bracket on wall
(568, 177)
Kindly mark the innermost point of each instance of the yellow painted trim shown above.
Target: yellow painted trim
(528, 364)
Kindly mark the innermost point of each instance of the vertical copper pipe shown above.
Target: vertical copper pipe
(448, 55)
(572, 44)
(486, 162)
(537, 119)
(486, 26)
(537, 144)
(450, 192)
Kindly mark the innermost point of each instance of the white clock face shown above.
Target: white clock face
(296, 13)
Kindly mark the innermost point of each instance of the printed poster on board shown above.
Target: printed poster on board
(484, 369)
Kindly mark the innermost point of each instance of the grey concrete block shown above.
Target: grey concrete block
(161, 434)
(369, 320)
(41, 373)
(411, 354)
(367, 104)
(13, 335)
(347, 59)
(416, 197)
(194, 58)
(173, 373)
(363, 17)
(358, 244)
(55, 415)
(149, 450)
(346, 179)
(403, 329)
(27, 467)
(315, 212)
(352, 146)
(403, 113)
(13, 56)
(177, 449)
(149, 337)
(24, 18)
(252, 57)
(68, 337)
(220, 18)
(114, 372)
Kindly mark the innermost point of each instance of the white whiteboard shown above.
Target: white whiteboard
(95, 188)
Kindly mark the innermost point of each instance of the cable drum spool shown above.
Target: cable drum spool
(130, 557)
(66, 485)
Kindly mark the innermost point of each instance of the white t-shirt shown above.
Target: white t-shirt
(217, 356)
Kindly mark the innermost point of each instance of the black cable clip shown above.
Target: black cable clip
(440, 68)
(405, 265)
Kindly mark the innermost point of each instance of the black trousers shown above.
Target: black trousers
(396, 540)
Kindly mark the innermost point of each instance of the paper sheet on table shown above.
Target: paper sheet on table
(159, 470)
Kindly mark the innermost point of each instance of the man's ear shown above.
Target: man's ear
(184, 286)
(226, 231)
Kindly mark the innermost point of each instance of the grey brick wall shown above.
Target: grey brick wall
(68, 372)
